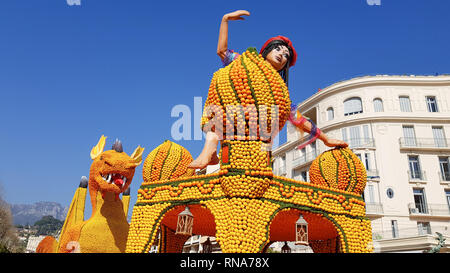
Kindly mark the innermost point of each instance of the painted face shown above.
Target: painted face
(278, 57)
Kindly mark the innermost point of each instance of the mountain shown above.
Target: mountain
(24, 214)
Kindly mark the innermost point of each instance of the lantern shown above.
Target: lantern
(285, 248)
(185, 222)
(301, 231)
(207, 246)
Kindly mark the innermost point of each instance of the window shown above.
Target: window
(295, 154)
(365, 159)
(414, 167)
(283, 161)
(296, 174)
(303, 155)
(432, 104)
(366, 133)
(424, 228)
(371, 194)
(394, 227)
(344, 134)
(439, 137)
(330, 113)
(409, 136)
(447, 196)
(304, 176)
(405, 104)
(378, 105)
(445, 168)
(282, 165)
(300, 175)
(420, 200)
(314, 149)
(357, 136)
(352, 106)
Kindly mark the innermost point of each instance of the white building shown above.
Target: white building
(397, 125)
(197, 243)
(33, 242)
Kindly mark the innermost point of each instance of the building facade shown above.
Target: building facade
(398, 127)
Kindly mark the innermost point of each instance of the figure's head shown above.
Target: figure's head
(113, 170)
(280, 53)
(279, 56)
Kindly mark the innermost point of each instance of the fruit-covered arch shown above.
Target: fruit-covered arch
(243, 223)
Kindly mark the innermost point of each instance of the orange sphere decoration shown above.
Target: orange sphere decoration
(168, 161)
(339, 169)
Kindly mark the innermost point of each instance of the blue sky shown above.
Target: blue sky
(69, 74)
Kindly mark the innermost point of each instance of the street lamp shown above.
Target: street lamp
(301, 231)
(185, 222)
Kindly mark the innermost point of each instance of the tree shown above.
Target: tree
(48, 225)
(9, 242)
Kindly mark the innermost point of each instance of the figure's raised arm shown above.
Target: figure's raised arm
(222, 44)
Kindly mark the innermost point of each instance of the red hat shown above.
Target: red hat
(288, 42)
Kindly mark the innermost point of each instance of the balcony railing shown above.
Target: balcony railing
(374, 208)
(408, 232)
(305, 158)
(416, 176)
(361, 142)
(411, 142)
(373, 174)
(429, 209)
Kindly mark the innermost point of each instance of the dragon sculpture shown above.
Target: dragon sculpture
(106, 230)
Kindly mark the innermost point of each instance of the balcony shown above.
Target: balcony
(304, 159)
(281, 171)
(424, 144)
(408, 232)
(417, 177)
(373, 174)
(374, 209)
(358, 143)
(429, 210)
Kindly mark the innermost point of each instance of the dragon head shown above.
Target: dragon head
(112, 170)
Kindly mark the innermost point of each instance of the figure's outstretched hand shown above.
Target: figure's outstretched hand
(336, 143)
(236, 15)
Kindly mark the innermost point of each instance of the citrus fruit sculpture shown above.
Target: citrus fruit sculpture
(106, 230)
(244, 205)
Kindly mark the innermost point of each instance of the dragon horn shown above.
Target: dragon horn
(98, 149)
(137, 155)
(117, 146)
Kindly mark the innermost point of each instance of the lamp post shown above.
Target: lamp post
(286, 248)
(207, 246)
(301, 231)
(185, 222)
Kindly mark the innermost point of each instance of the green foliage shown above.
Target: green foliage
(270, 250)
(48, 225)
(4, 249)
